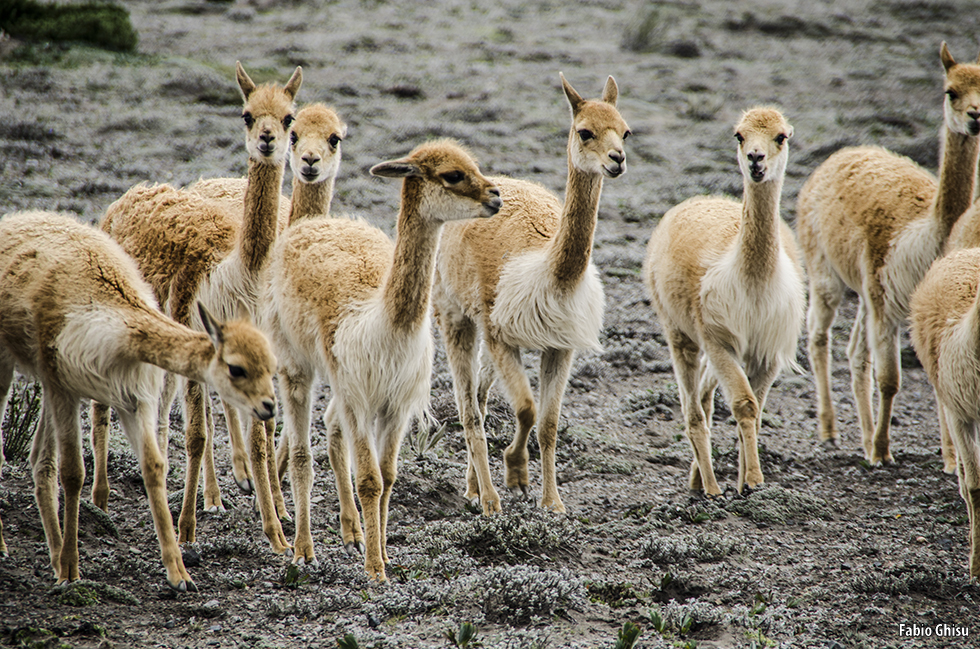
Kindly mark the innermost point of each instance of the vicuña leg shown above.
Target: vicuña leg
(272, 470)
(239, 455)
(685, 355)
(888, 373)
(859, 356)
(507, 360)
(350, 519)
(556, 364)
(44, 467)
(195, 437)
(140, 428)
(67, 430)
(460, 335)
(745, 407)
(369, 488)
(825, 297)
(212, 492)
(259, 457)
(99, 417)
(964, 434)
(297, 385)
(948, 446)
(391, 429)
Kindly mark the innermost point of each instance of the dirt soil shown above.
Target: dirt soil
(830, 553)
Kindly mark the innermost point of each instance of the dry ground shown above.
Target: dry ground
(831, 553)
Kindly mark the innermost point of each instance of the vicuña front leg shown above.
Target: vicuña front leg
(824, 300)
(44, 467)
(99, 418)
(888, 373)
(507, 360)
(556, 364)
(859, 357)
(239, 453)
(369, 489)
(195, 437)
(350, 519)
(259, 457)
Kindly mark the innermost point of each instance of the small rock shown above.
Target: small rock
(920, 539)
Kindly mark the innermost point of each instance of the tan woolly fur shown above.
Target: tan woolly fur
(524, 279)
(345, 304)
(726, 282)
(76, 315)
(945, 319)
(875, 221)
(192, 248)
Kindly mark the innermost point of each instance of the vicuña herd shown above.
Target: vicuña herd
(228, 283)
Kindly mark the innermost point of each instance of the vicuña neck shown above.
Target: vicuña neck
(758, 235)
(162, 342)
(261, 213)
(408, 285)
(310, 199)
(957, 177)
(571, 249)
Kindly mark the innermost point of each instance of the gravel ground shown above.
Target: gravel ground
(830, 553)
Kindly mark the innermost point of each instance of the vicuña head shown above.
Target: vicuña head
(962, 86)
(762, 134)
(595, 144)
(268, 113)
(243, 365)
(315, 143)
(443, 179)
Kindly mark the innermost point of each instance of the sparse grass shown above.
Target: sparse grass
(520, 594)
(102, 24)
(703, 548)
(775, 504)
(20, 420)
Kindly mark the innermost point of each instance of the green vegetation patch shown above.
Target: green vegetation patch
(103, 24)
(775, 504)
(88, 593)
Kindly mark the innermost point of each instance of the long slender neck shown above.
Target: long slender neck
(310, 199)
(758, 236)
(408, 286)
(261, 213)
(571, 248)
(957, 177)
(172, 346)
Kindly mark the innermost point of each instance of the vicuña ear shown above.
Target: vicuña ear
(574, 99)
(244, 81)
(789, 132)
(211, 326)
(947, 58)
(403, 168)
(611, 92)
(295, 81)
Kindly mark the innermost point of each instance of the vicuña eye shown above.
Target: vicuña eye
(287, 120)
(627, 134)
(952, 94)
(453, 177)
(780, 139)
(236, 371)
(293, 138)
(586, 134)
(249, 120)
(738, 136)
(335, 140)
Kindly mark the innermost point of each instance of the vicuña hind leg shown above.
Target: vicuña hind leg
(44, 467)
(859, 356)
(685, 355)
(460, 335)
(888, 373)
(68, 433)
(825, 297)
(946, 441)
(510, 372)
(964, 434)
(99, 418)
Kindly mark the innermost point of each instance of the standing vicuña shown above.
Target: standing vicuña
(192, 248)
(524, 279)
(342, 302)
(945, 315)
(76, 314)
(726, 282)
(875, 221)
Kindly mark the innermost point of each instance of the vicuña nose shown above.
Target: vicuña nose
(311, 159)
(267, 137)
(494, 191)
(974, 114)
(755, 157)
(617, 156)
